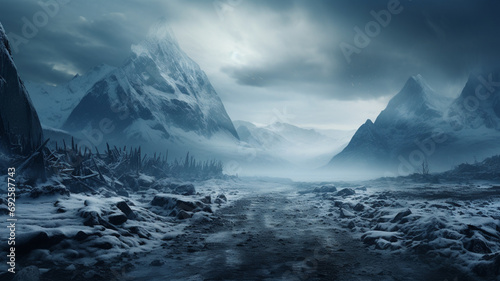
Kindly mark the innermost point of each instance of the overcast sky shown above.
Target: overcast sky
(278, 60)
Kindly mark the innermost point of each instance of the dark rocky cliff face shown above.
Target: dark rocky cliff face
(19, 120)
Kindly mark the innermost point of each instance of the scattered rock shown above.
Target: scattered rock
(338, 204)
(476, 245)
(89, 274)
(182, 215)
(40, 240)
(123, 192)
(488, 268)
(455, 204)
(157, 263)
(185, 189)
(175, 188)
(145, 181)
(221, 198)
(346, 214)
(346, 192)
(125, 208)
(139, 231)
(30, 273)
(359, 207)
(207, 199)
(401, 215)
(80, 236)
(170, 202)
(207, 209)
(325, 188)
(103, 245)
(117, 219)
(93, 218)
(45, 190)
(372, 238)
(4, 210)
(131, 181)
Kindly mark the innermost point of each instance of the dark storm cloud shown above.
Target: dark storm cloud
(439, 39)
(291, 43)
(76, 37)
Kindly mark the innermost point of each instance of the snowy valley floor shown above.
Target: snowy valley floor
(266, 230)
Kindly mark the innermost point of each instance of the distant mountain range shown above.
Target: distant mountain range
(419, 125)
(306, 148)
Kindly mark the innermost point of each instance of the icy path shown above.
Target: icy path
(274, 235)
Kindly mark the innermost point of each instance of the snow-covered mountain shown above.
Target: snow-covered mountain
(420, 125)
(17, 114)
(55, 103)
(158, 94)
(303, 147)
(479, 103)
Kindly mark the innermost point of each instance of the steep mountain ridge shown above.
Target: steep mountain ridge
(55, 103)
(420, 125)
(416, 100)
(158, 94)
(18, 117)
(479, 102)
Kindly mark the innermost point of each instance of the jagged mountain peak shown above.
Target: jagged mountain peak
(101, 67)
(164, 91)
(161, 31)
(417, 79)
(4, 41)
(159, 41)
(369, 122)
(3, 38)
(415, 89)
(415, 100)
(479, 102)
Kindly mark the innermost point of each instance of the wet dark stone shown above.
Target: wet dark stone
(117, 219)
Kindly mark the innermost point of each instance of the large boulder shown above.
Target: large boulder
(346, 192)
(401, 215)
(178, 205)
(125, 208)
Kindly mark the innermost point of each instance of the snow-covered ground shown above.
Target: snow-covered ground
(457, 225)
(265, 229)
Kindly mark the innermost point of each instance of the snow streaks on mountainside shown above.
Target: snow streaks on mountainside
(158, 94)
(420, 125)
(55, 103)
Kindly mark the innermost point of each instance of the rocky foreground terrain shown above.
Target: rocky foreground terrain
(251, 229)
